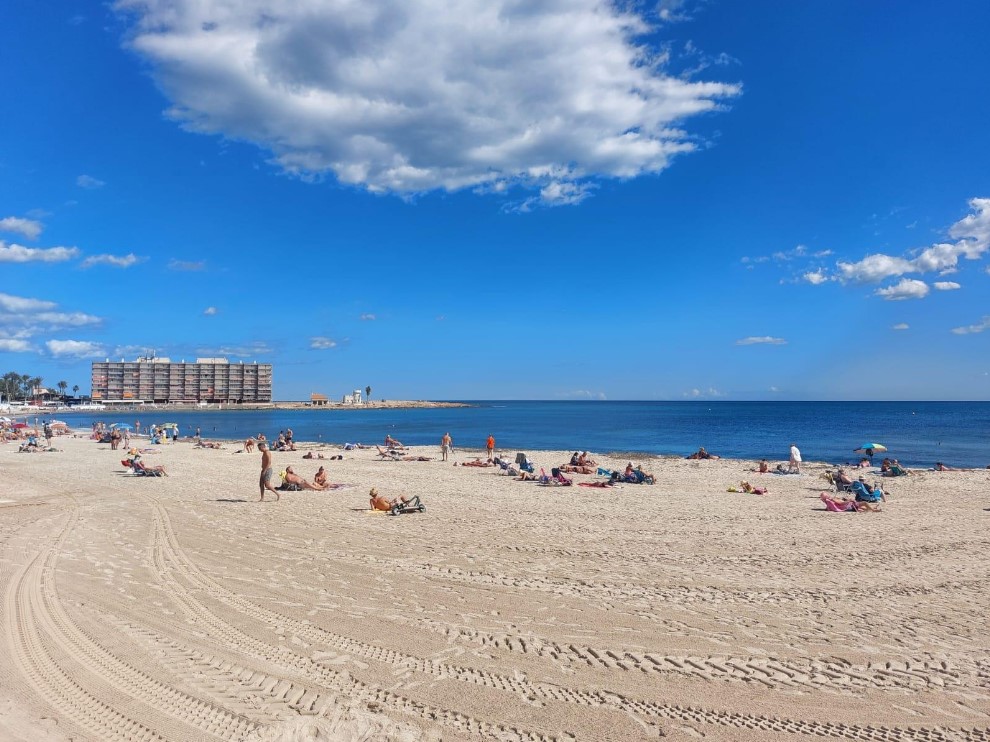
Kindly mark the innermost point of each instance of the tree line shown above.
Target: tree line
(15, 386)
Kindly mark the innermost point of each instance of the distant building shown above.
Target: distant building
(318, 400)
(158, 380)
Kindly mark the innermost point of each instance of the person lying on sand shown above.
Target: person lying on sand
(476, 462)
(380, 502)
(525, 476)
(939, 466)
(701, 453)
(577, 469)
(292, 478)
(747, 487)
(845, 505)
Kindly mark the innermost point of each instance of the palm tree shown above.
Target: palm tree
(62, 386)
(367, 392)
(75, 391)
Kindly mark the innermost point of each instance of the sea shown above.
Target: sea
(916, 433)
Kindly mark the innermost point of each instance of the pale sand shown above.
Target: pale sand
(180, 607)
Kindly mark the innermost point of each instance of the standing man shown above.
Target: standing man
(267, 472)
(491, 447)
(446, 445)
(795, 463)
(48, 435)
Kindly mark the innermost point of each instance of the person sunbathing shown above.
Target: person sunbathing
(476, 462)
(391, 442)
(842, 478)
(292, 478)
(939, 466)
(864, 463)
(764, 466)
(867, 493)
(747, 487)
(846, 505)
(140, 467)
(701, 453)
(380, 502)
(525, 476)
(578, 469)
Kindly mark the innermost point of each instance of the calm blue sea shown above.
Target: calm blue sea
(917, 433)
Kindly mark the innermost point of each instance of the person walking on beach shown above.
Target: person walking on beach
(795, 462)
(446, 445)
(267, 472)
(491, 447)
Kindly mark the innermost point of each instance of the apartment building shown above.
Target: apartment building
(159, 380)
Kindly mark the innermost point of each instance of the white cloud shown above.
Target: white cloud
(89, 182)
(773, 389)
(22, 317)
(27, 227)
(972, 233)
(815, 277)
(875, 268)
(14, 345)
(117, 261)
(908, 288)
(408, 97)
(972, 329)
(946, 285)
(901, 326)
(250, 350)
(210, 311)
(321, 343)
(696, 393)
(14, 253)
(765, 340)
(9, 303)
(368, 317)
(582, 394)
(75, 348)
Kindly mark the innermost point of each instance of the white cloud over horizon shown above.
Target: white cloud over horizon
(410, 97)
(322, 343)
(29, 228)
(22, 318)
(14, 253)
(901, 326)
(210, 311)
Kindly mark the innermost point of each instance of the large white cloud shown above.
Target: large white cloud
(23, 317)
(418, 95)
(972, 235)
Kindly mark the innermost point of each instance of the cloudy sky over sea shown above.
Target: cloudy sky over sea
(502, 199)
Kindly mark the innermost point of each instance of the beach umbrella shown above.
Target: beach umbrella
(875, 447)
(122, 426)
(20, 425)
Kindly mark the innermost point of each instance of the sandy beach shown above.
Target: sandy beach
(180, 608)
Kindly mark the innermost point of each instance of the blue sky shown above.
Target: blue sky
(497, 200)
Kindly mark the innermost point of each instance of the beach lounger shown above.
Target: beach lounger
(408, 507)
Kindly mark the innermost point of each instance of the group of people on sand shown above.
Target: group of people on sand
(580, 463)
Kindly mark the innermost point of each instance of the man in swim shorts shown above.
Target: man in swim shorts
(267, 480)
